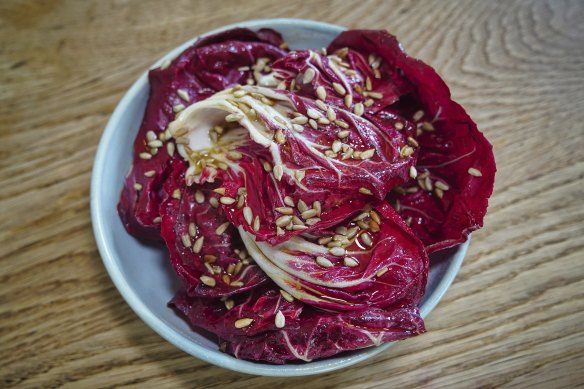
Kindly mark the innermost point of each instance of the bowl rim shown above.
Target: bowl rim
(114, 270)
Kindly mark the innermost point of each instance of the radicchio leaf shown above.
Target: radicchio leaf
(446, 201)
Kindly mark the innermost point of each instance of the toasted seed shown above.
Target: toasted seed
(367, 154)
(280, 137)
(192, 229)
(334, 243)
(285, 210)
(287, 296)
(374, 95)
(278, 172)
(308, 214)
(186, 240)
(341, 230)
(302, 207)
(381, 271)
(308, 75)
(350, 262)
(317, 207)
(474, 172)
(237, 269)
(233, 117)
(341, 124)
(428, 184)
(339, 88)
(324, 262)
(330, 114)
(226, 200)
(209, 281)
(368, 84)
(199, 197)
(297, 128)
(427, 126)
(321, 104)
(300, 120)
(413, 172)
(418, 115)
(312, 221)
(365, 191)
(412, 142)
(247, 215)
(183, 94)
(321, 93)
(299, 174)
(228, 303)
(242, 323)
(280, 320)
(441, 185)
(336, 146)
(256, 224)
(221, 229)
(324, 240)
(343, 134)
(145, 156)
(313, 113)
(359, 109)
(289, 201)
(348, 100)
(170, 148)
(220, 191)
(198, 245)
(337, 251)
(375, 216)
(312, 123)
(366, 238)
(182, 140)
(209, 258)
(155, 143)
(283, 220)
(406, 151)
(373, 226)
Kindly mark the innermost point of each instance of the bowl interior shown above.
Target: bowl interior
(142, 272)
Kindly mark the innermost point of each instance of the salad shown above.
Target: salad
(299, 192)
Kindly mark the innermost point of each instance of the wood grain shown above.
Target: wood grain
(514, 316)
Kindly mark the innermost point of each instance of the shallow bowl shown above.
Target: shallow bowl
(142, 272)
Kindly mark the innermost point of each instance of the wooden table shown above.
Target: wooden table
(514, 316)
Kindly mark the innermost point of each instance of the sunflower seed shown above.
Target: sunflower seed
(359, 109)
(321, 93)
(337, 251)
(289, 201)
(366, 238)
(413, 172)
(283, 220)
(229, 303)
(278, 171)
(365, 191)
(209, 281)
(324, 262)
(474, 172)
(381, 271)
(299, 174)
(367, 154)
(225, 200)
(343, 134)
(145, 156)
(280, 320)
(221, 229)
(198, 245)
(339, 88)
(324, 240)
(183, 94)
(308, 214)
(242, 323)
(285, 210)
(186, 240)
(308, 76)
(350, 262)
(247, 215)
(256, 224)
(233, 117)
(418, 115)
(300, 120)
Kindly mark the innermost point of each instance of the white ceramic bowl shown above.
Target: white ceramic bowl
(142, 272)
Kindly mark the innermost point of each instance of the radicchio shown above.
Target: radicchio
(272, 177)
